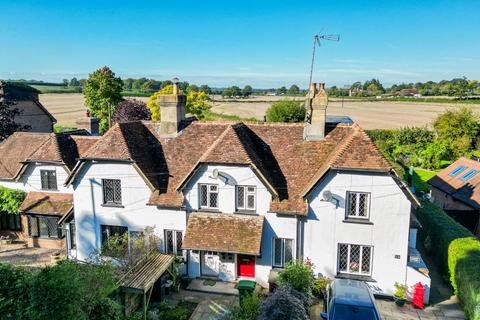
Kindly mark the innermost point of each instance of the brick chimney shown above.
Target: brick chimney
(172, 112)
(88, 123)
(316, 104)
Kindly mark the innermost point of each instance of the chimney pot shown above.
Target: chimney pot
(172, 112)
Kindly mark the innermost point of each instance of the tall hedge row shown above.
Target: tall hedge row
(457, 252)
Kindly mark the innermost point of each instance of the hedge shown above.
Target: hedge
(457, 252)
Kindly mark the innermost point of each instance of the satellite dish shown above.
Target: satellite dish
(215, 173)
(327, 196)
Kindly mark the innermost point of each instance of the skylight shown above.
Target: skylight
(457, 171)
(469, 174)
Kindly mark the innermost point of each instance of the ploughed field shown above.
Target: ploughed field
(67, 107)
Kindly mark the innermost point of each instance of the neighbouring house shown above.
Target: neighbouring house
(456, 189)
(39, 163)
(238, 200)
(33, 113)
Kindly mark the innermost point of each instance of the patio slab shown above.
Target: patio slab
(17, 254)
(218, 287)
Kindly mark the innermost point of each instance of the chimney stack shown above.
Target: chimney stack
(89, 123)
(172, 112)
(316, 104)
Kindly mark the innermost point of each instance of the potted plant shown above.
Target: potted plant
(400, 294)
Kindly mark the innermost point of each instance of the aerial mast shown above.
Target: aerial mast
(317, 41)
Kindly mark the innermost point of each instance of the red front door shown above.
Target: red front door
(246, 266)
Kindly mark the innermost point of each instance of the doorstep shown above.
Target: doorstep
(213, 286)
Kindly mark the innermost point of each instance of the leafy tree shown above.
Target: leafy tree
(293, 90)
(435, 153)
(197, 103)
(459, 128)
(191, 88)
(299, 276)
(8, 112)
(206, 89)
(102, 94)
(131, 110)
(152, 102)
(232, 92)
(65, 82)
(286, 111)
(128, 84)
(11, 199)
(282, 90)
(284, 304)
(247, 91)
(14, 296)
(74, 82)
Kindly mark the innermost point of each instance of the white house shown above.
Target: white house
(238, 200)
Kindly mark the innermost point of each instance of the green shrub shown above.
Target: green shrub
(286, 111)
(435, 153)
(299, 276)
(284, 304)
(457, 252)
(249, 309)
(10, 200)
(14, 298)
(320, 286)
(181, 311)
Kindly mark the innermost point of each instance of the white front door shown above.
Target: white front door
(210, 263)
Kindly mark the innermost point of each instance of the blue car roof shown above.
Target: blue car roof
(351, 292)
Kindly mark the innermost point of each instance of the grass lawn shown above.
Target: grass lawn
(420, 178)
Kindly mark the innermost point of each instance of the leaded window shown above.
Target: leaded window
(358, 205)
(10, 222)
(173, 242)
(246, 197)
(110, 231)
(282, 252)
(355, 259)
(112, 191)
(44, 227)
(48, 179)
(208, 194)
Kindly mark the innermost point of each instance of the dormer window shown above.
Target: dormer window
(208, 195)
(246, 198)
(358, 205)
(48, 179)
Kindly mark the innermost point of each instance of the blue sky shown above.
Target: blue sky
(263, 43)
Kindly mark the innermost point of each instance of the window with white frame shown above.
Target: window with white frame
(358, 205)
(246, 197)
(208, 194)
(112, 191)
(48, 179)
(173, 242)
(282, 252)
(355, 259)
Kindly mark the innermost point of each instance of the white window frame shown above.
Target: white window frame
(209, 187)
(50, 183)
(283, 262)
(176, 250)
(349, 271)
(247, 191)
(115, 192)
(356, 214)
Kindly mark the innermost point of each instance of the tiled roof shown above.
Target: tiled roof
(22, 147)
(48, 203)
(277, 152)
(224, 233)
(465, 190)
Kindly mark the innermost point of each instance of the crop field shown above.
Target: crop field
(66, 108)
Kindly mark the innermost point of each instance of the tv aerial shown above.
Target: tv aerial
(317, 40)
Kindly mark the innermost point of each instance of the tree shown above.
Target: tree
(206, 89)
(191, 88)
(293, 90)
(8, 112)
(247, 91)
(131, 110)
(102, 94)
(282, 90)
(232, 92)
(152, 102)
(14, 296)
(459, 128)
(74, 82)
(65, 82)
(128, 84)
(286, 111)
(197, 103)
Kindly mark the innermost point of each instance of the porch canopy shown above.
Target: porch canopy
(142, 278)
(230, 233)
(47, 203)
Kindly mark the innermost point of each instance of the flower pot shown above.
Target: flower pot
(399, 301)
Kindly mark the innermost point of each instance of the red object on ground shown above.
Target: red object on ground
(418, 295)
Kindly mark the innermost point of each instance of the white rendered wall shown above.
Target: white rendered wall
(31, 181)
(274, 225)
(389, 213)
(90, 214)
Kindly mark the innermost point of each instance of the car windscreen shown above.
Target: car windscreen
(348, 312)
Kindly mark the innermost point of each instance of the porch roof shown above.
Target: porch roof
(147, 272)
(47, 203)
(230, 233)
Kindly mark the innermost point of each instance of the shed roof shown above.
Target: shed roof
(143, 276)
(47, 203)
